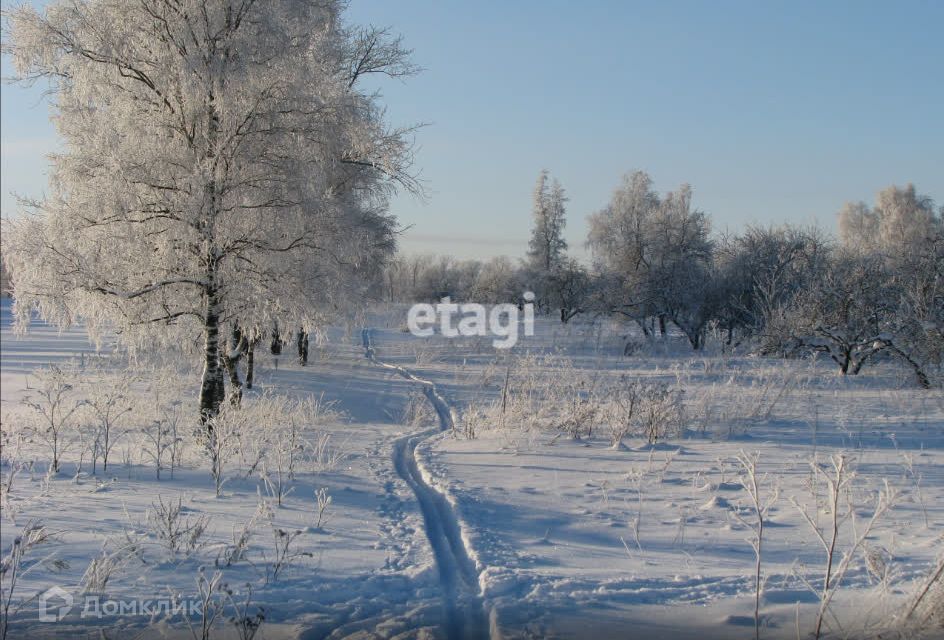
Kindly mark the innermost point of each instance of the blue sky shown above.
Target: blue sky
(773, 111)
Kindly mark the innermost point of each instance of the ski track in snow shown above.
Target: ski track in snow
(463, 608)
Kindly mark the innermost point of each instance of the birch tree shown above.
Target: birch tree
(221, 167)
(900, 220)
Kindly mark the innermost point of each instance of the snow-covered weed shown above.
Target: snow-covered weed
(220, 440)
(211, 604)
(284, 553)
(230, 554)
(417, 413)
(916, 478)
(173, 529)
(735, 405)
(247, 625)
(324, 455)
(323, 500)
(637, 478)
(574, 405)
(923, 614)
(54, 401)
(424, 352)
(102, 568)
(10, 457)
(660, 413)
(841, 506)
(276, 483)
(470, 421)
(16, 564)
(276, 438)
(157, 440)
(761, 502)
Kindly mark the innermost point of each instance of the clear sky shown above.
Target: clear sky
(773, 111)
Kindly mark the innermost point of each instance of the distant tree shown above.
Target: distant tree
(221, 166)
(547, 247)
(619, 238)
(904, 231)
(858, 226)
(759, 273)
(498, 281)
(681, 271)
(569, 288)
(437, 277)
(844, 313)
(404, 277)
(656, 257)
(900, 220)
(467, 274)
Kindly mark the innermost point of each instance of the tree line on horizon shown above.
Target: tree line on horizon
(877, 289)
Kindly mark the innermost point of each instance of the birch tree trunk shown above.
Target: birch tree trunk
(211, 387)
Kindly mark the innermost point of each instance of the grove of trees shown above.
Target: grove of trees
(875, 291)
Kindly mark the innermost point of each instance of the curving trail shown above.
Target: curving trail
(464, 613)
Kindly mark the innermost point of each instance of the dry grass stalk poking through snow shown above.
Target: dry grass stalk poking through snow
(284, 552)
(841, 508)
(649, 410)
(271, 436)
(324, 501)
(102, 568)
(760, 506)
(550, 394)
(11, 451)
(173, 528)
(18, 562)
(923, 614)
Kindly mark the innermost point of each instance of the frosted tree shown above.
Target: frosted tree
(759, 274)
(858, 226)
(619, 239)
(905, 233)
(221, 167)
(437, 278)
(681, 276)
(900, 220)
(655, 257)
(844, 313)
(497, 282)
(547, 247)
(570, 289)
(917, 326)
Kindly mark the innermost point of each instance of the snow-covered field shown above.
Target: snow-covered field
(455, 511)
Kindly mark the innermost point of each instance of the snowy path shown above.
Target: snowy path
(464, 613)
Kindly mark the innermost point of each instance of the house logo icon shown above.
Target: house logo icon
(54, 604)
